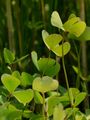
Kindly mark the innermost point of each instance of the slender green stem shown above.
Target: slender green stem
(43, 108)
(43, 104)
(65, 73)
(78, 56)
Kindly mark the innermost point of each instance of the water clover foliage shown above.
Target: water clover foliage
(25, 92)
(75, 26)
(56, 20)
(45, 84)
(52, 42)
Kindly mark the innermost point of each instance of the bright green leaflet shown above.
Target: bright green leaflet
(75, 26)
(80, 74)
(16, 74)
(79, 98)
(58, 49)
(71, 16)
(68, 24)
(38, 98)
(71, 111)
(8, 56)
(45, 84)
(24, 96)
(10, 82)
(27, 113)
(78, 28)
(34, 59)
(59, 113)
(73, 93)
(45, 34)
(8, 114)
(26, 79)
(54, 100)
(52, 40)
(51, 67)
(80, 117)
(85, 36)
(56, 20)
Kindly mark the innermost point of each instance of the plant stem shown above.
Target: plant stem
(43, 108)
(66, 78)
(78, 59)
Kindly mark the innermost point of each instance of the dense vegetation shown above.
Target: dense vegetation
(44, 75)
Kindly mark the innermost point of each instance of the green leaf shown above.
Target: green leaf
(78, 28)
(70, 22)
(58, 49)
(24, 96)
(27, 113)
(10, 82)
(79, 72)
(71, 111)
(14, 116)
(53, 93)
(20, 59)
(56, 20)
(8, 56)
(80, 117)
(1, 99)
(45, 34)
(37, 117)
(54, 100)
(75, 26)
(71, 16)
(52, 40)
(59, 113)
(86, 35)
(73, 93)
(9, 112)
(79, 98)
(48, 66)
(16, 74)
(12, 107)
(45, 84)
(34, 59)
(26, 79)
(38, 98)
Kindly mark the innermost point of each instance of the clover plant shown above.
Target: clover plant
(37, 97)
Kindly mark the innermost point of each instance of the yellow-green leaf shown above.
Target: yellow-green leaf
(58, 49)
(75, 26)
(56, 20)
(24, 96)
(52, 40)
(8, 56)
(45, 84)
(38, 98)
(10, 82)
(34, 58)
(59, 113)
(79, 98)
